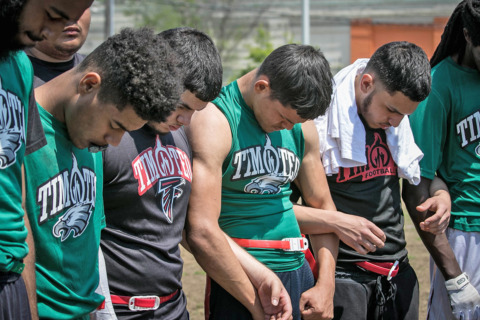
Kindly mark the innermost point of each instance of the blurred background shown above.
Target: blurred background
(245, 31)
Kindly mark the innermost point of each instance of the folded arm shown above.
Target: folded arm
(210, 137)
(271, 292)
(317, 303)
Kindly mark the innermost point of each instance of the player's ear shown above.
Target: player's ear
(261, 84)
(90, 81)
(366, 82)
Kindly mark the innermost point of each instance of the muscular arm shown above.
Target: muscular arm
(317, 303)
(210, 137)
(273, 295)
(29, 271)
(436, 244)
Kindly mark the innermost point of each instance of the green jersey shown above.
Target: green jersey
(447, 129)
(65, 208)
(16, 79)
(256, 181)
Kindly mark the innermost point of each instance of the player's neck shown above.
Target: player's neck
(245, 85)
(34, 52)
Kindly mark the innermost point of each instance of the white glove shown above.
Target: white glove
(464, 298)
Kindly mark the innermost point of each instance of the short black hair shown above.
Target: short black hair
(466, 15)
(402, 66)
(300, 78)
(10, 12)
(199, 60)
(139, 69)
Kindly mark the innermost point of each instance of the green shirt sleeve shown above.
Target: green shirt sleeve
(429, 126)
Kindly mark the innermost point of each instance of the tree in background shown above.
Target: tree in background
(226, 21)
(258, 53)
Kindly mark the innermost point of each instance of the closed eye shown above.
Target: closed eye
(391, 110)
(53, 18)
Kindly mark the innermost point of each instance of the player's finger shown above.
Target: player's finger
(370, 247)
(434, 220)
(426, 205)
(380, 236)
(361, 249)
(439, 219)
(275, 293)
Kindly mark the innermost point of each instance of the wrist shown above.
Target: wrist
(256, 308)
(457, 283)
(337, 221)
(441, 193)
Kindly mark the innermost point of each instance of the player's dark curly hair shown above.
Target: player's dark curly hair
(300, 78)
(139, 69)
(402, 66)
(466, 15)
(10, 11)
(199, 60)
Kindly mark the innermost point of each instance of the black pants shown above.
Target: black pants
(363, 295)
(224, 306)
(174, 309)
(13, 297)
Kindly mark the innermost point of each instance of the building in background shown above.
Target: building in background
(343, 29)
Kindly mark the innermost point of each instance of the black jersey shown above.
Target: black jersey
(373, 192)
(147, 184)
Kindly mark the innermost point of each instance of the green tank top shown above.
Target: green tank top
(16, 79)
(65, 207)
(256, 181)
(446, 127)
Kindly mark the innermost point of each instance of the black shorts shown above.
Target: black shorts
(13, 297)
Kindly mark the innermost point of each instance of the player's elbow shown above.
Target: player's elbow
(200, 236)
(411, 195)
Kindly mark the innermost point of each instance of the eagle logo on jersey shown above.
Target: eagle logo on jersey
(69, 197)
(169, 189)
(9, 145)
(12, 126)
(267, 184)
(74, 221)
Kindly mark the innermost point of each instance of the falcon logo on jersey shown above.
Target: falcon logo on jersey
(468, 130)
(379, 163)
(269, 167)
(71, 190)
(12, 127)
(169, 167)
(169, 189)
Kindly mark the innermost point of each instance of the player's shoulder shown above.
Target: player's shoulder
(209, 130)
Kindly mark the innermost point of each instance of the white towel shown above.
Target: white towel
(342, 133)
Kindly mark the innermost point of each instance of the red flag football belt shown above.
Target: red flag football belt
(142, 302)
(388, 269)
(287, 244)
